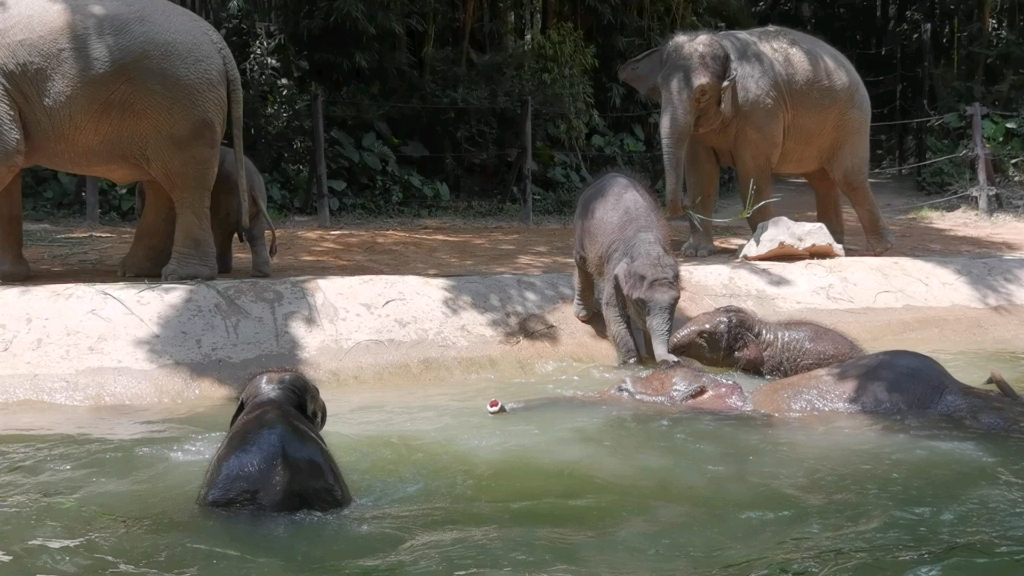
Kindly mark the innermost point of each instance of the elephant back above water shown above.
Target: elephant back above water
(128, 90)
(764, 101)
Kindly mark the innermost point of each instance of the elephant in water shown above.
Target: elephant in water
(891, 382)
(734, 337)
(765, 101)
(226, 217)
(128, 90)
(273, 458)
(622, 243)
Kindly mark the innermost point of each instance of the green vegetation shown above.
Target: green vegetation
(423, 98)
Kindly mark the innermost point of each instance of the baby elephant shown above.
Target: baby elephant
(273, 458)
(734, 337)
(225, 215)
(622, 241)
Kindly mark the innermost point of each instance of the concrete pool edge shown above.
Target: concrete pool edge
(135, 343)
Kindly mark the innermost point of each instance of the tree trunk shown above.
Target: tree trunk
(428, 44)
(469, 8)
(92, 200)
(984, 14)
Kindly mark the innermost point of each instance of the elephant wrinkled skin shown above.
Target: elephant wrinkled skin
(225, 215)
(128, 90)
(765, 101)
(622, 242)
(273, 458)
(733, 337)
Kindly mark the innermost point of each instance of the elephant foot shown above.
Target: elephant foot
(699, 247)
(881, 244)
(178, 272)
(667, 360)
(582, 312)
(629, 360)
(129, 269)
(15, 270)
(260, 273)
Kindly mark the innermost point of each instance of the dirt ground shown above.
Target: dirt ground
(72, 251)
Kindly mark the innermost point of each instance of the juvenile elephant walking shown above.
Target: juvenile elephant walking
(128, 90)
(622, 241)
(764, 101)
(226, 212)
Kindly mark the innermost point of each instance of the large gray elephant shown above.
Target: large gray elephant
(128, 90)
(225, 215)
(765, 101)
(622, 242)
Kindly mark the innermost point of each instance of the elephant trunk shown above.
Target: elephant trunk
(684, 337)
(659, 326)
(675, 128)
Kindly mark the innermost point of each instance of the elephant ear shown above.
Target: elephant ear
(641, 72)
(238, 412)
(315, 409)
(630, 282)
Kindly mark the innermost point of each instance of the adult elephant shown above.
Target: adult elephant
(128, 90)
(765, 101)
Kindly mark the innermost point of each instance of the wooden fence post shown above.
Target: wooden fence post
(323, 205)
(92, 200)
(981, 153)
(526, 215)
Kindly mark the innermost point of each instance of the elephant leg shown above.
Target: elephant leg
(255, 236)
(616, 319)
(194, 255)
(702, 172)
(854, 184)
(13, 265)
(755, 183)
(225, 258)
(830, 210)
(154, 235)
(583, 282)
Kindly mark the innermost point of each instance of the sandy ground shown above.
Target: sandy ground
(72, 251)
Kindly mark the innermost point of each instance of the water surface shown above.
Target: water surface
(444, 488)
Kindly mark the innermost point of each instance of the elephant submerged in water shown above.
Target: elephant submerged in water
(734, 337)
(273, 458)
(891, 382)
(765, 101)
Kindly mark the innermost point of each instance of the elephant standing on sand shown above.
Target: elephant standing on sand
(225, 215)
(764, 101)
(128, 90)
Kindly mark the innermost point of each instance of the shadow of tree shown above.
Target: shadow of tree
(226, 330)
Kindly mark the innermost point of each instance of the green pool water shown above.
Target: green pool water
(441, 487)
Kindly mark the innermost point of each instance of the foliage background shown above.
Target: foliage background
(423, 97)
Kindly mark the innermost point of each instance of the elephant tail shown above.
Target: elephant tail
(235, 108)
(259, 193)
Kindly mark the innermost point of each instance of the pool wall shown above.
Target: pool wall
(138, 343)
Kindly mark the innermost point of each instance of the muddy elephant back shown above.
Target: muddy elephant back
(821, 390)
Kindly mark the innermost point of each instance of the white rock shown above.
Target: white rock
(782, 238)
